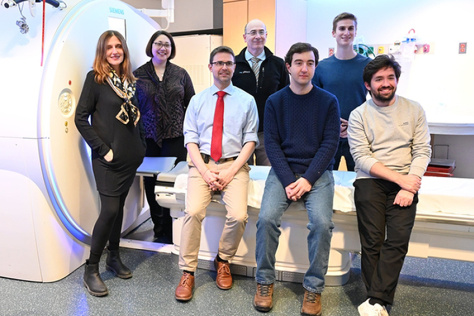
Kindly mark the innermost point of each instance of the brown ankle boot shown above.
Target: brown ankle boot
(311, 304)
(263, 300)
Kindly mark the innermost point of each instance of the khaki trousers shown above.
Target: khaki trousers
(198, 198)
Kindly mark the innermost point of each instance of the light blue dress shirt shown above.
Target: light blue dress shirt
(249, 56)
(240, 120)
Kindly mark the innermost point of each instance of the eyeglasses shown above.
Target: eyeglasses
(160, 45)
(222, 63)
(255, 32)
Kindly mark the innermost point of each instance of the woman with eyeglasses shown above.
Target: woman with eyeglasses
(163, 91)
(115, 136)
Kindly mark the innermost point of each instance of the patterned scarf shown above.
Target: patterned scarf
(125, 91)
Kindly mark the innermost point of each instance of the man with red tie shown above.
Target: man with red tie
(220, 133)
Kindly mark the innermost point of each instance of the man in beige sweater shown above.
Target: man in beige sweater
(390, 143)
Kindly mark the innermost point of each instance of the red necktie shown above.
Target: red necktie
(216, 142)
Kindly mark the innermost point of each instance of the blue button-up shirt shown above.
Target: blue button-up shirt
(240, 120)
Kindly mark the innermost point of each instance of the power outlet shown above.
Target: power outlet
(462, 48)
(331, 52)
(426, 48)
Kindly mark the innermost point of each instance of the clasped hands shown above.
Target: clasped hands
(410, 184)
(295, 190)
(217, 180)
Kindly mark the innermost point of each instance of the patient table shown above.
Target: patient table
(444, 225)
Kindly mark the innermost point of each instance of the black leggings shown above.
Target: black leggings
(108, 226)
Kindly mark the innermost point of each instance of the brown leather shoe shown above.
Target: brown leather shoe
(184, 291)
(263, 300)
(311, 304)
(223, 278)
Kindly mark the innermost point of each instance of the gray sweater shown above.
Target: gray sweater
(396, 136)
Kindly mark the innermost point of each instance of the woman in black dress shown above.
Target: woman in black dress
(163, 92)
(118, 148)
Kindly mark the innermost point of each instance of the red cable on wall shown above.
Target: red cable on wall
(42, 40)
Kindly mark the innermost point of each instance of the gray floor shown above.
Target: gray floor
(427, 287)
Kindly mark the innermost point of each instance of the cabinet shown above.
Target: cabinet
(236, 14)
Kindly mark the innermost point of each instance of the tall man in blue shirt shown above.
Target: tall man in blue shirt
(341, 74)
(301, 136)
(266, 77)
(212, 169)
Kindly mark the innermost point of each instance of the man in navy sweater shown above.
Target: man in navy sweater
(301, 135)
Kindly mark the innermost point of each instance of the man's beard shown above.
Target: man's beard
(378, 96)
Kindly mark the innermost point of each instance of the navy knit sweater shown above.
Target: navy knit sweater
(301, 133)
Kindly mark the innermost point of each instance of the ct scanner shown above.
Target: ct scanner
(48, 198)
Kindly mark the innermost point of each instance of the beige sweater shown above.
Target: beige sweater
(396, 136)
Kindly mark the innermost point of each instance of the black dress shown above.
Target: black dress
(106, 132)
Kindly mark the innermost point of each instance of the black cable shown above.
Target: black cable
(54, 3)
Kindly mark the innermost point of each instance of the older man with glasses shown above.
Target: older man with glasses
(259, 73)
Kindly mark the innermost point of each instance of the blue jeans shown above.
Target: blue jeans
(318, 202)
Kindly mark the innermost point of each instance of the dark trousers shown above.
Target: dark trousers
(108, 226)
(384, 231)
(344, 150)
(173, 147)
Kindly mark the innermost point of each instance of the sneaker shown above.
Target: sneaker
(311, 304)
(263, 300)
(366, 309)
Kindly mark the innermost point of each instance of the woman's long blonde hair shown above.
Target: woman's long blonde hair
(102, 67)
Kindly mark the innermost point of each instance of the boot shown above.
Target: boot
(92, 280)
(115, 265)
(263, 300)
(312, 304)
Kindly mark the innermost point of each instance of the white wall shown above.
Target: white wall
(439, 80)
(291, 24)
